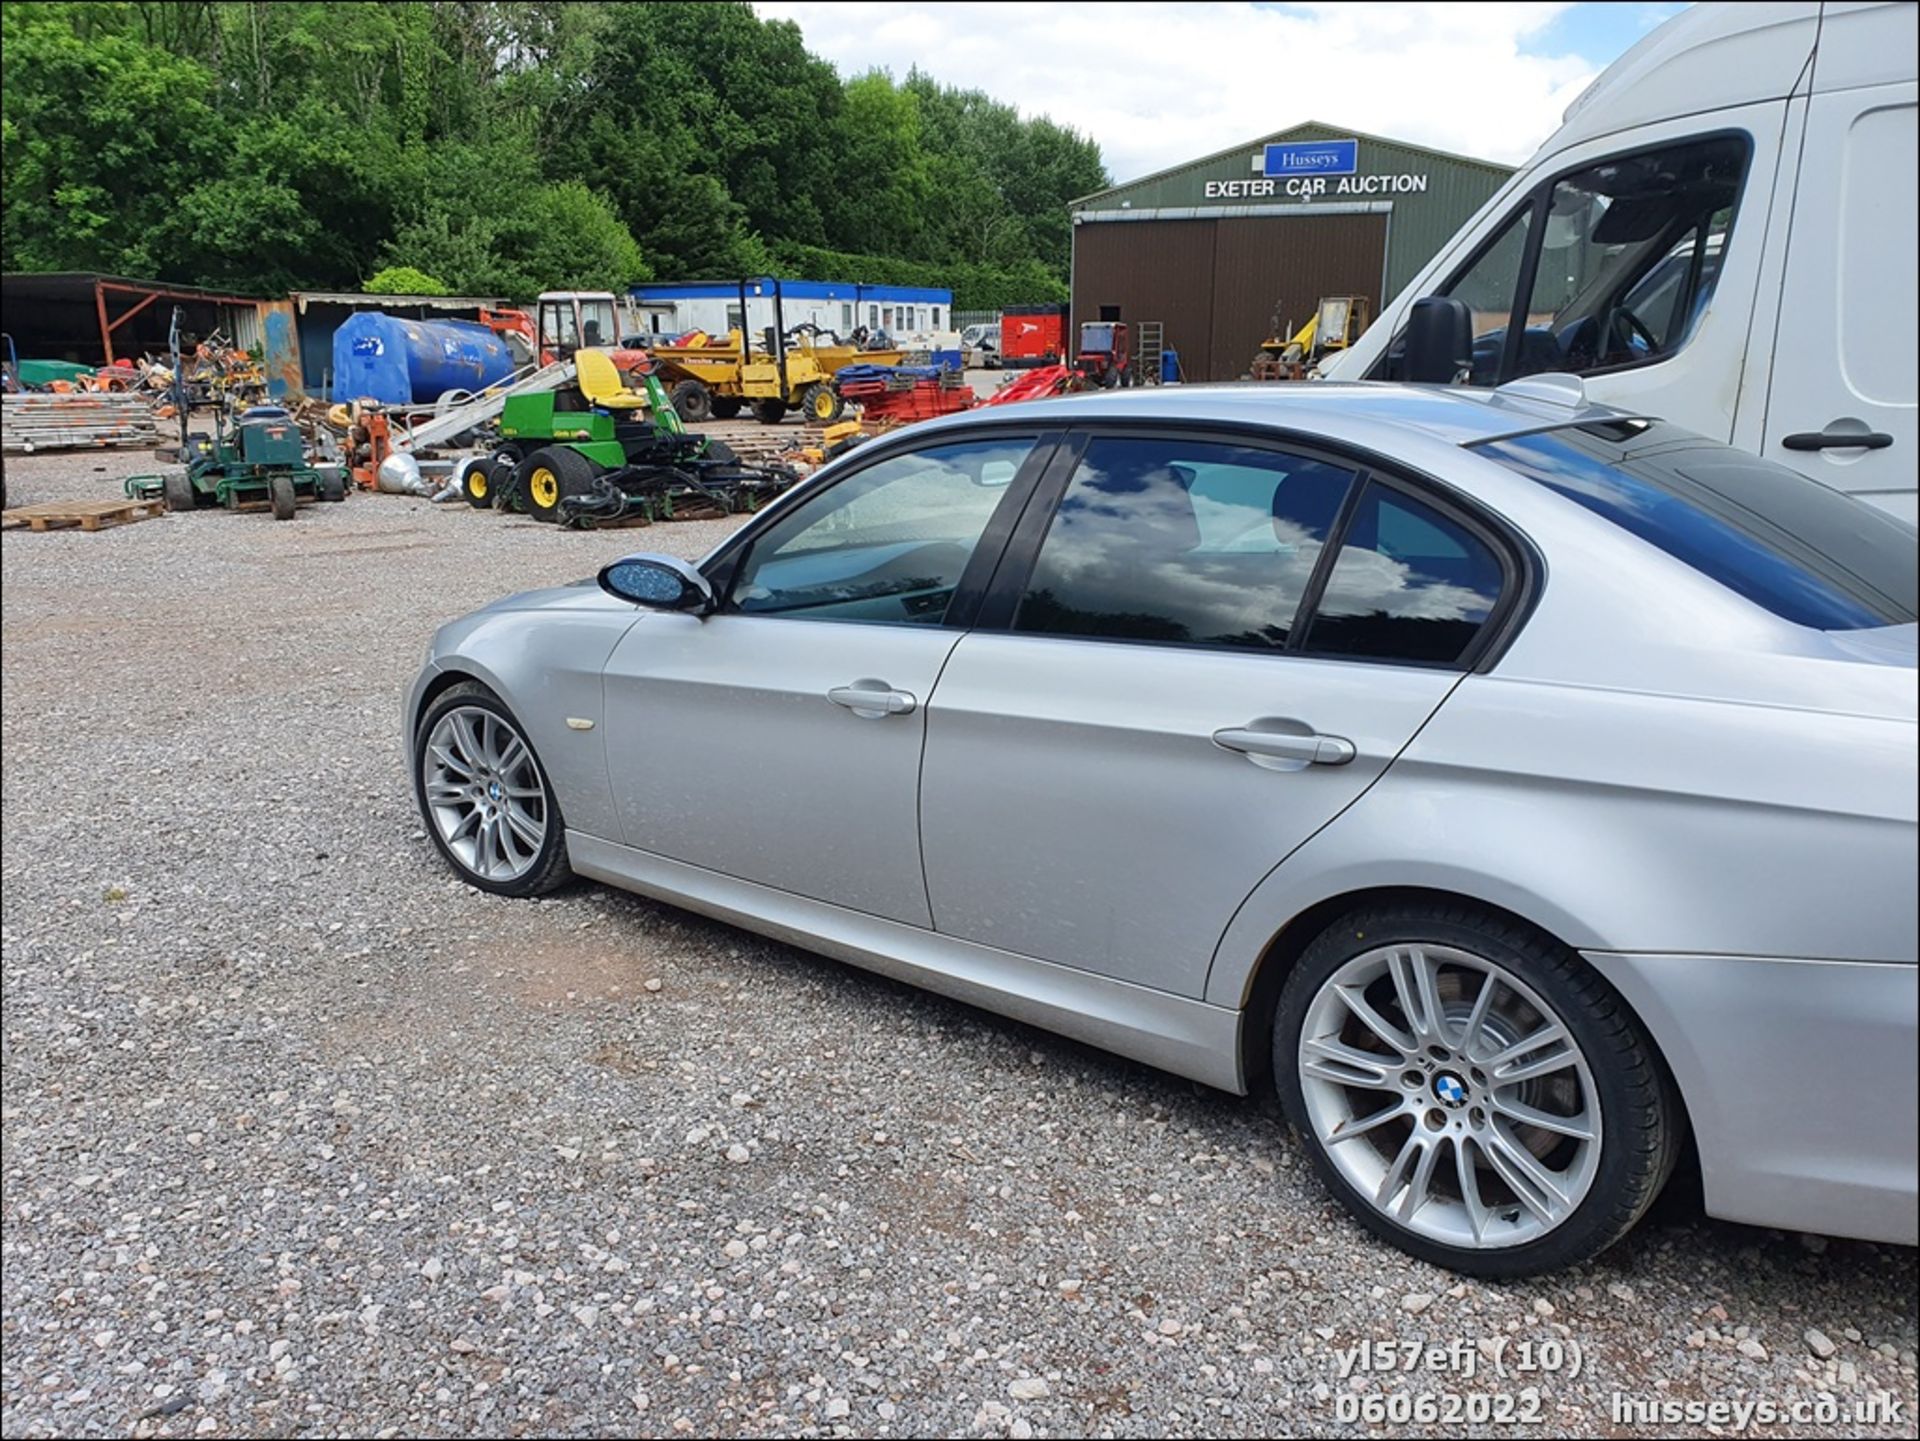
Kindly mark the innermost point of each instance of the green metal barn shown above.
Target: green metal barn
(1218, 248)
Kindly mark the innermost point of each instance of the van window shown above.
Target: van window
(1487, 287)
(1629, 251)
(1793, 545)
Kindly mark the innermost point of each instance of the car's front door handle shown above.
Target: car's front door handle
(1837, 440)
(872, 699)
(1307, 749)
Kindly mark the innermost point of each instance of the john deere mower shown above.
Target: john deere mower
(627, 453)
(261, 459)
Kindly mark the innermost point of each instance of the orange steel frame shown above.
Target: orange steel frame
(149, 294)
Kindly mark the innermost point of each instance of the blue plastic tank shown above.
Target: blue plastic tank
(1169, 366)
(399, 361)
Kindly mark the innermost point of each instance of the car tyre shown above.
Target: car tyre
(1615, 1072)
(482, 736)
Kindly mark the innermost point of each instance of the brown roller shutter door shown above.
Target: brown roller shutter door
(1153, 270)
(1287, 263)
(1215, 284)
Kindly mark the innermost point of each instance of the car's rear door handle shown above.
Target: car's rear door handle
(872, 699)
(1837, 440)
(1309, 749)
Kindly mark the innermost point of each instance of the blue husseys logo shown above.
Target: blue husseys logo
(1311, 157)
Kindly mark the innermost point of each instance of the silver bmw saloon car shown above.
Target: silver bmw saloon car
(1520, 787)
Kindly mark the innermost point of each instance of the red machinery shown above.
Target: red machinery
(1106, 355)
(369, 442)
(1033, 335)
(890, 393)
(568, 320)
(1036, 385)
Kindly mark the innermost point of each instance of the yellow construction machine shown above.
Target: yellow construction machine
(1336, 323)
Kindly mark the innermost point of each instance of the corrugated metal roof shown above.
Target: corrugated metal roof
(1305, 130)
(304, 298)
(42, 283)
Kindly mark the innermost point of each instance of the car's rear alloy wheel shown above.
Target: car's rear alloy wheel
(485, 797)
(1473, 1092)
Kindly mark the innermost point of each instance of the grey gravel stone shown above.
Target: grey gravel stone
(325, 1095)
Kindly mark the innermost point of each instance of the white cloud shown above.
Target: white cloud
(1157, 85)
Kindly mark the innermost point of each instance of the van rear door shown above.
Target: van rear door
(1842, 396)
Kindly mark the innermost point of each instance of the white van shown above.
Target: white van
(1721, 233)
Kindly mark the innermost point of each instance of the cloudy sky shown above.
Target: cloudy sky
(1159, 84)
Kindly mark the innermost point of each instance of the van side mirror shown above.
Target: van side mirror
(659, 582)
(1439, 341)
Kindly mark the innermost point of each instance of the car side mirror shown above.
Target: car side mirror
(659, 582)
(1439, 341)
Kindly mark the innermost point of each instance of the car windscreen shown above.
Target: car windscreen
(1799, 548)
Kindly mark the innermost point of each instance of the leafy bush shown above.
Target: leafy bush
(405, 280)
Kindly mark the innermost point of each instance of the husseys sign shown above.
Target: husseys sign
(1306, 170)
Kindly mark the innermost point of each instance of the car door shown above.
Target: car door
(778, 740)
(1841, 406)
(1141, 727)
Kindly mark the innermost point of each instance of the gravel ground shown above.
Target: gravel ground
(303, 1135)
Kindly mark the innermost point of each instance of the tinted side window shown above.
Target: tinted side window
(1183, 542)
(1804, 551)
(1409, 584)
(888, 543)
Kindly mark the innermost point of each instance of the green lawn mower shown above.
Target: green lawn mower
(261, 460)
(609, 461)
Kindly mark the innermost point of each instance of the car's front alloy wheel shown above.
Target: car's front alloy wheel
(486, 801)
(1473, 1092)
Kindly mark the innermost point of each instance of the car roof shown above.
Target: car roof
(1363, 413)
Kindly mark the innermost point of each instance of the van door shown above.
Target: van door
(1841, 403)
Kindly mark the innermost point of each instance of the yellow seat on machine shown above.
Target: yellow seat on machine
(600, 382)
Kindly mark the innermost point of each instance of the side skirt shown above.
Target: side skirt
(1187, 1037)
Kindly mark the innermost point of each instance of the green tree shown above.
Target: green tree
(97, 133)
(504, 146)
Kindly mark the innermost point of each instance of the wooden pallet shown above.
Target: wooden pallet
(87, 514)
